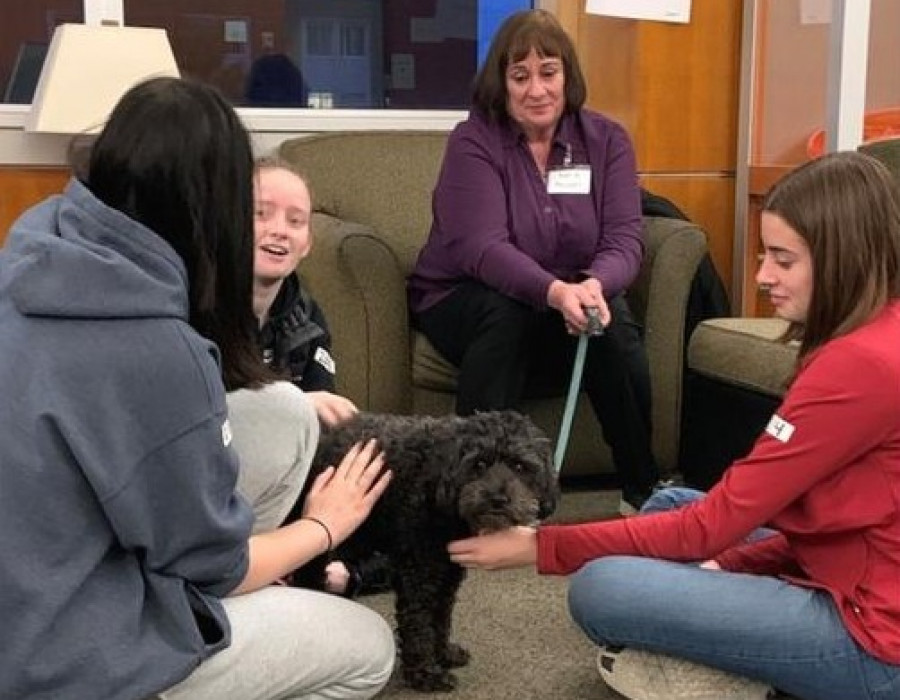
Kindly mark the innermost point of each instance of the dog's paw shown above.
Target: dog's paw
(454, 656)
(429, 679)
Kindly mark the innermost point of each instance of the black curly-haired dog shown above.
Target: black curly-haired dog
(452, 477)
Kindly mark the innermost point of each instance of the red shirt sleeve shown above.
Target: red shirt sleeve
(832, 416)
(771, 556)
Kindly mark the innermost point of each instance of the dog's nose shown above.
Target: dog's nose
(499, 500)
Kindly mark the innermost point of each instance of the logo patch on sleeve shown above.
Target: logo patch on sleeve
(779, 428)
(324, 358)
(226, 433)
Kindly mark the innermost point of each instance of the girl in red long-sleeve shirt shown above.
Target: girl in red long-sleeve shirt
(814, 608)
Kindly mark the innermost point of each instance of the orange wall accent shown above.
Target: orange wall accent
(22, 188)
(709, 201)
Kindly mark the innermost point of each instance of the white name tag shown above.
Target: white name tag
(226, 433)
(325, 359)
(779, 428)
(574, 180)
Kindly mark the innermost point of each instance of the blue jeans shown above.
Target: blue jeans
(755, 626)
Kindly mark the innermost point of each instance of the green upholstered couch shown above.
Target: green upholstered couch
(372, 211)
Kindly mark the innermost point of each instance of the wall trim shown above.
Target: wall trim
(268, 127)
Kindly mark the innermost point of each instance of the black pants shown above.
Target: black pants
(506, 351)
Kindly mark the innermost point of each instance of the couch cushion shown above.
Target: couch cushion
(744, 352)
(429, 368)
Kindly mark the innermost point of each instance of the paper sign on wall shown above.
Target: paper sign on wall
(660, 10)
(815, 11)
(104, 12)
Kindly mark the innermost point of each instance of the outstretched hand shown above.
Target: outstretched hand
(332, 409)
(504, 549)
(342, 497)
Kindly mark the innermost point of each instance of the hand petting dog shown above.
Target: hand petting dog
(504, 549)
(341, 498)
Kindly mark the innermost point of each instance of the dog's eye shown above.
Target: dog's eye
(481, 466)
(519, 468)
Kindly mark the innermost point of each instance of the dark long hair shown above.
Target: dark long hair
(846, 207)
(517, 36)
(175, 157)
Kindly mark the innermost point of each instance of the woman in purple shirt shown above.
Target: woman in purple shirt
(537, 218)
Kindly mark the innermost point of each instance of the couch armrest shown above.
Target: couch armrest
(357, 280)
(675, 249)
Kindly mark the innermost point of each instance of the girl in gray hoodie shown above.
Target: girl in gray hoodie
(127, 565)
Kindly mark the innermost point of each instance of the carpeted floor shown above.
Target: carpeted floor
(515, 624)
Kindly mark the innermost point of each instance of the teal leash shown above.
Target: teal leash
(593, 328)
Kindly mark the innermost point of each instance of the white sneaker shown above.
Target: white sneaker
(642, 675)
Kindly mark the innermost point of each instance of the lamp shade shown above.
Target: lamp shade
(88, 68)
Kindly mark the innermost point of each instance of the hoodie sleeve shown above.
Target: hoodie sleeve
(153, 440)
(180, 508)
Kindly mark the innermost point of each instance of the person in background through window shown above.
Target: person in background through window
(275, 81)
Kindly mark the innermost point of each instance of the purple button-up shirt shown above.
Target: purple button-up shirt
(494, 221)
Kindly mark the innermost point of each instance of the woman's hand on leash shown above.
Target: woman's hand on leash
(571, 300)
(504, 549)
(342, 497)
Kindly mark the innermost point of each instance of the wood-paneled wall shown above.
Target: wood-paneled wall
(676, 89)
(21, 188)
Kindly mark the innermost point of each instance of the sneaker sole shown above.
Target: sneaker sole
(641, 675)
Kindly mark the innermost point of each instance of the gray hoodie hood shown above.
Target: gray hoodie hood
(66, 253)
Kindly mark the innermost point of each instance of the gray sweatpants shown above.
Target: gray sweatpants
(287, 643)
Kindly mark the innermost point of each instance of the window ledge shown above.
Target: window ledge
(268, 127)
(305, 120)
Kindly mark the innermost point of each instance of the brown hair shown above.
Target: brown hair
(517, 36)
(847, 208)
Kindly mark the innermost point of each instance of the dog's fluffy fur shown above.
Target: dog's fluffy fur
(452, 477)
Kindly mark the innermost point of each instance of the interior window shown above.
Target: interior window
(292, 53)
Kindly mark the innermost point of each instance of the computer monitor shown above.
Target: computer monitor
(25, 73)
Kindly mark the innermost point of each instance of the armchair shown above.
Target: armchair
(372, 211)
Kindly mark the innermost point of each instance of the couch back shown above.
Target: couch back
(384, 179)
(887, 151)
(377, 178)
